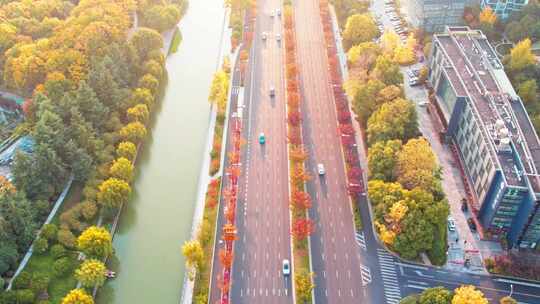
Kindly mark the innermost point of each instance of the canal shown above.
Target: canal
(158, 219)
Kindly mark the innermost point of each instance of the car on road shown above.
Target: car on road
(272, 13)
(320, 169)
(262, 138)
(471, 224)
(264, 36)
(272, 92)
(422, 103)
(286, 267)
(278, 37)
(278, 12)
(451, 224)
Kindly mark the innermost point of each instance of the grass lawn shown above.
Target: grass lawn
(175, 43)
(58, 287)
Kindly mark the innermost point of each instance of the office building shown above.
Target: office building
(434, 15)
(486, 121)
(503, 8)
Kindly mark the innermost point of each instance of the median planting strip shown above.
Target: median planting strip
(300, 200)
(344, 118)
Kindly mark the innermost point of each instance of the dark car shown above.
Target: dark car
(472, 224)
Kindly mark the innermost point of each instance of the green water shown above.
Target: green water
(158, 219)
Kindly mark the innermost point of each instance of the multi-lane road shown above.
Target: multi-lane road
(336, 260)
(349, 266)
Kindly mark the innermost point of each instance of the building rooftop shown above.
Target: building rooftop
(474, 71)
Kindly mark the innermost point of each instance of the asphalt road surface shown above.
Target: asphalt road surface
(335, 256)
(263, 207)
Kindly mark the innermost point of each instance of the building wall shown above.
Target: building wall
(434, 15)
(503, 8)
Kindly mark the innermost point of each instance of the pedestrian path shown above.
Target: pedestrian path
(390, 281)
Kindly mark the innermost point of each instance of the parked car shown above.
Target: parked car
(264, 36)
(272, 92)
(278, 12)
(262, 139)
(278, 37)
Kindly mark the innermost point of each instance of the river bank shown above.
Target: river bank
(158, 218)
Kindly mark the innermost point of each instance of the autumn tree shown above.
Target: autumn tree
(141, 96)
(417, 165)
(487, 16)
(126, 149)
(508, 300)
(302, 228)
(6, 187)
(219, 90)
(468, 295)
(521, 55)
(303, 282)
(113, 193)
(387, 71)
(226, 258)
(389, 42)
(363, 54)
(150, 82)
(300, 199)
(382, 158)
(365, 99)
(134, 132)
(359, 28)
(435, 295)
(95, 242)
(393, 120)
(194, 254)
(91, 273)
(145, 40)
(138, 113)
(77, 296)
(122, 169)
(528, 91)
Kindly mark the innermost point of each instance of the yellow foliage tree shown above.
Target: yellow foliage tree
(387, 236)
(138, 113)
(468, 295)
(77, 296)
(397, 211)
(91, 273)
(304, 285)
(416, 165)
(219, 90)
(389, 42)
(521, 55)
(113, 192)
(95, 242)
(122, 169)
(127, 150)
(487, 16)
(194, 254)
(134, 132)
(404, 55)
(6, 187)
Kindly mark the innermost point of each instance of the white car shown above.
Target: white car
(278, 37)
(264, 36)
(451, 224)
(286, 267)
(272, 14)
(320, 169)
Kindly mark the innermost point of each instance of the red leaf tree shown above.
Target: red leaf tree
(302, 228)
(300, 199)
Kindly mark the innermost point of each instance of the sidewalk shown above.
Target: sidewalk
(454, 189)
